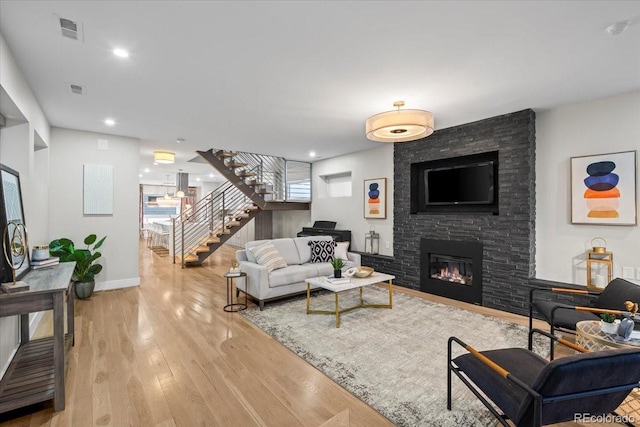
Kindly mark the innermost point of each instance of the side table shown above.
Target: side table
(589, 336)
(235, 306)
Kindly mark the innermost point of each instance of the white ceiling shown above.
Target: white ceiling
(285, 78)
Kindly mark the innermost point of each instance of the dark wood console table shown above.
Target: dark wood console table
(36, 373)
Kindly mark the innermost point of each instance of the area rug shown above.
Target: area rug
(394, 360)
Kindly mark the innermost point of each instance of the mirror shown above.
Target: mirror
(14, 234)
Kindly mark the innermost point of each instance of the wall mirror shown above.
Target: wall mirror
(14, 235)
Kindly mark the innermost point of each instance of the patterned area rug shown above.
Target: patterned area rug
(394, 360)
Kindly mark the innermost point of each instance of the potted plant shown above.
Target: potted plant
(607, 324)
(337, 264)
(86, 269)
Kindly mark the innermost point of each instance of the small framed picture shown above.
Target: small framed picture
(375, 198)
(603, 189)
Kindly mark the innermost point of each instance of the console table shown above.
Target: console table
(36, 372)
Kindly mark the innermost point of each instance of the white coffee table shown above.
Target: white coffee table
(355, 282)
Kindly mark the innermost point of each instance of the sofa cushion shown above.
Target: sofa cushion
(322, 251)
(288, 250)
(268, 256)
(304, 250)
(341, 250)
(290, 275)
(252, 244)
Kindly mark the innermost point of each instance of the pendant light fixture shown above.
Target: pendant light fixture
(164, 157)
(182, 183)
(399, 125)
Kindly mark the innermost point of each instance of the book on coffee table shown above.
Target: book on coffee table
(338, 281)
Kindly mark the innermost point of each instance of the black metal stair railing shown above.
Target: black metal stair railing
(209, 222)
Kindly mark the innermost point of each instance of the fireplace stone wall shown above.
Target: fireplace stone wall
(508, 238)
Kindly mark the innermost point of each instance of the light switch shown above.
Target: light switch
(103, 144)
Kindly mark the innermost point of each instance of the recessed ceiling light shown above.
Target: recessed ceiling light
(198, 179)
(146, 170)
(180, 140)
(139, 175)
(109, 122)
(210, 175)
(121, 53)
(312, 153)
(618, 28)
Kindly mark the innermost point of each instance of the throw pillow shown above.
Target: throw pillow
(322, 250)
(341, 250)
(268, 256)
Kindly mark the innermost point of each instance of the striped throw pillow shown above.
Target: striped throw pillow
(268, 256)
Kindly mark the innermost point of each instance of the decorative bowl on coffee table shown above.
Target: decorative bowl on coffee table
(363, 272)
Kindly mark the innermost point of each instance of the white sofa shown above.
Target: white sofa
(265, 285)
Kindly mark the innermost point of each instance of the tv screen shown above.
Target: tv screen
(465, 184)
(459, 184)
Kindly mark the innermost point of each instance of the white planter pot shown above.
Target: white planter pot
(609, 328)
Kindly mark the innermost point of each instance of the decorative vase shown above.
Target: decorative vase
(608, 328)
(337, 274)
(625, 328)
(84, 290)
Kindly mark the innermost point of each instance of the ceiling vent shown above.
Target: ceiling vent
(76, 89)
(70, 29)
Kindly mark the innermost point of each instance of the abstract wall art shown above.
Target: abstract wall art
(603, 189)
(375, 198)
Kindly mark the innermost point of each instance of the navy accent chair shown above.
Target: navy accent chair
(564, 316)
(531, 392)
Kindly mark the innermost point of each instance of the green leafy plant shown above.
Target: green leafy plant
(337, 263)
(86, 268)
(608, 317)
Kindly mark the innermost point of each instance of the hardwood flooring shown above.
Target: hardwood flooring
(166, 354)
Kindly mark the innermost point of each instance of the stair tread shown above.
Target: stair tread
(251, 208)
(236, 164)
(191, 258)
(238, 215)
(254, 183)
(224, 154)
(232, 223)
(245, 174)
(202, 249)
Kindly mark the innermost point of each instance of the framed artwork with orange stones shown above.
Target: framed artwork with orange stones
(375, 198)
(603, 189)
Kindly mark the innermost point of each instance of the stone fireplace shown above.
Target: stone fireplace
(452, 269)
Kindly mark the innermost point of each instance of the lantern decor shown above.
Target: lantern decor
(372, 241)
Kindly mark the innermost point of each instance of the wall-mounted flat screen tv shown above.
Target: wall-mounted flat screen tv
(458, 184)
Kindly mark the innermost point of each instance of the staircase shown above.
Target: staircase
(255, 183)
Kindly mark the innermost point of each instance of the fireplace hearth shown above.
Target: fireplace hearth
(451, 269)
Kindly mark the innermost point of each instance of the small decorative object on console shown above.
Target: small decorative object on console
(235, 268)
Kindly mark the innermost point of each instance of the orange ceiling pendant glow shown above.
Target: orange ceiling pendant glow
(399, 125)
(164, 157)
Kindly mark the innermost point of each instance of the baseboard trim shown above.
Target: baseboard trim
(117, 284)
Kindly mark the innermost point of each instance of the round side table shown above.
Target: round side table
(235, 306)
(589, 336)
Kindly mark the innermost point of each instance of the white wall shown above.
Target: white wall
(604, 126)
(348, 212)
(70, 150)
(17, 150)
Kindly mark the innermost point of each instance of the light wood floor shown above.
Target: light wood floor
(166, 354)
